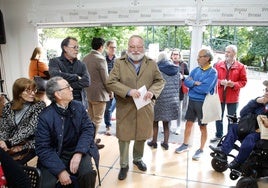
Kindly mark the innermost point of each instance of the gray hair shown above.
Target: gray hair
(52, 86)
(233, 47)
(208, 53)
(162, 56)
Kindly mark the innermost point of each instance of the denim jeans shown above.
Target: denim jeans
(110, 106)
(231, 110)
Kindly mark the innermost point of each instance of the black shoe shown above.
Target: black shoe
(98, 140)
(100, 146)
(216, 149)
(219, 154)
(216, 139)
(152, 144)
(234, 165)
(141, 165)
(164, 145)
(123, 173)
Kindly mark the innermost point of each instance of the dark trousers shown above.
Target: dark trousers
(247, 144)
(86, 176)
(14, 174)
(231, 110)
(110, 106)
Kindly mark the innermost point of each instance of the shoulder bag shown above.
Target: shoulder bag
(211, 107)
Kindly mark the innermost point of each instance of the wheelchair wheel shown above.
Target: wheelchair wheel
(247, 182)
(234, 174)
(218, 165)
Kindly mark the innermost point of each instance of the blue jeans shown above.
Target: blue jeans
(231, 110)
(247, 144)
(110, 106)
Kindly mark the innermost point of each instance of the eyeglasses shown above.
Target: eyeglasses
(200, 56)
(30, 91)
(265, 90)
(74, 47)
(67, 87)
(175, 54)
(113, 47)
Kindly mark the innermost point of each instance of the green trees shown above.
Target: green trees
(252, 42)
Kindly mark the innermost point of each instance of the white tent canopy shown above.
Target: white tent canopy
(22, 18)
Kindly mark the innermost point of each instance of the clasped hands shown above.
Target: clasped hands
(136, 94)
(227, 83)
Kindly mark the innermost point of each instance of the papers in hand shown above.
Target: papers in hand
(140, 102)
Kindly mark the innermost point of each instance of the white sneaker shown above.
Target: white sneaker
(182, 148)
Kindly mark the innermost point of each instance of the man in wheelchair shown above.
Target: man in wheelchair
(258, 106)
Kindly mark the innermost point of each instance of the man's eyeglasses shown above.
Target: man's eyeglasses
(200, 56)
(74, 47)
(175, 54)
(265, 90)
(67, 87)
(30, 91)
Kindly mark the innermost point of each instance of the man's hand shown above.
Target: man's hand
(134, 93)
(74, 163)
(148, 95)
(64, 178)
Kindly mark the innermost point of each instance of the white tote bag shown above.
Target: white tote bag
(211, 107)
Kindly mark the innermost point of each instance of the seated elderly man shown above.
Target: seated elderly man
(64, 139)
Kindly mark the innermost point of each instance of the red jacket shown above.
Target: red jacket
(237, 74)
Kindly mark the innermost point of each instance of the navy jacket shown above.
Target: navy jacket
(49, 135)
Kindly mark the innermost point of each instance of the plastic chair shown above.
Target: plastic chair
(34, 175)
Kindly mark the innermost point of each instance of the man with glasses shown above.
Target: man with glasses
(201, 81)
(71, 69)
(258, 106)
(110, 105)
(232, 77)
(131, 72)
(65, 139)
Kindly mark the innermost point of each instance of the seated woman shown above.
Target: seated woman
(19, 120)
(257, 106)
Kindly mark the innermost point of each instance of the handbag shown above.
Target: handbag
(246, 125)
(211, 108)
(40, 81)
(184, 88)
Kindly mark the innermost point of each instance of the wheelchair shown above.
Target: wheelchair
(256, 166)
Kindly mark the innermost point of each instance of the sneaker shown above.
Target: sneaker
(198, 154)
(182, 148)
(216, 139)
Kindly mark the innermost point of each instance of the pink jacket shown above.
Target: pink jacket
(237, 74)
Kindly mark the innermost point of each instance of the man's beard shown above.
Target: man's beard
(135, 57)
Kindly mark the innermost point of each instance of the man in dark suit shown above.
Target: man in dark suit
(97, 93)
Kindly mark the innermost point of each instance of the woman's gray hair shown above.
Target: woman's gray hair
(162, 56)
(52, 86)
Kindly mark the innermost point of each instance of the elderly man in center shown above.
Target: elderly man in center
(131, 72)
